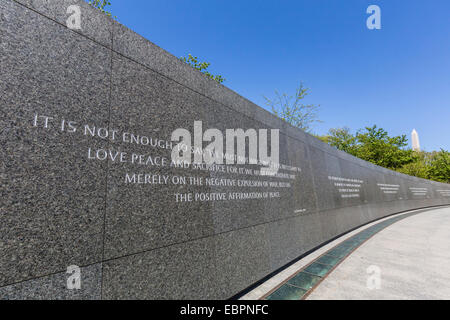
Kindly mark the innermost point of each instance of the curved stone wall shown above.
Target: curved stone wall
(86, 118)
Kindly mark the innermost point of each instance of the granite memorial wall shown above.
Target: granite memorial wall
(87, 180)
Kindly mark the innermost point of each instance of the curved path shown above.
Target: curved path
(409, 259)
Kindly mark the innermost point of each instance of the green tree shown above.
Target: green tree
(202, 67)
(372, 144)
(375, 145)
(439, 169)
(419, 167)
(101, 5)
(292, 110)
(342, 139)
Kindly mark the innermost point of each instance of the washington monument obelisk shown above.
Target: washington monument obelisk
(415, 140)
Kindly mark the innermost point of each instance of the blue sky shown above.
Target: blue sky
(397, 78)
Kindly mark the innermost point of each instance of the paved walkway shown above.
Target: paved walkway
(411, 257)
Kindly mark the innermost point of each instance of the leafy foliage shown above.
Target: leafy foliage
(202, 67)
(291, 109)
(342, 139)
(439, 168)
(101, 5)
(419, 167)
(374, 144)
